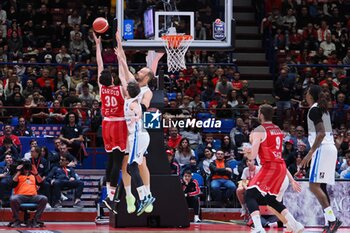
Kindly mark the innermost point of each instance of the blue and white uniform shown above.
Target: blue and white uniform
(138, 137)
(324, 159)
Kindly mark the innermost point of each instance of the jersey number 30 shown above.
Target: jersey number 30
(111, 101)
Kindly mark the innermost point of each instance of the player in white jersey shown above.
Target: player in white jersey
(138, 141)
(323, 153)
(143, 77)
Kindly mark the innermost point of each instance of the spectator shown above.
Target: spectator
(328, 46)
(40, 113)
(71, 134)
(64, 177)
(289, 152)
(194, 137)
(196, 104)
(15, 46)
(209, 142)
(184, 152)
(5, 180)
(346, 59)
(223, 86)
(192, 191)
(74, 19)
(174, 138)
(345, 167)
(225, 110)
(3, 18)
(192, 166)
(32, 143)
(228, 148)
(57, 113)
(200, 31)
(248, 173)
(300, 138)
(283, 94)
(209, 157)
(14, 139)
(78, 48)
(323, 32)
(62, 55)
(71, 99)
(41, 165)
(341, 111)
(86, 96)
(221, 178)
(22, 129)
(24, 183)
(85, 82)
(174, 165)
(236, 133)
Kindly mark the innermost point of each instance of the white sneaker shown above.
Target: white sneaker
(130, 204)
(47, 206)
(197, 219)
(261, 230)
(243, 212)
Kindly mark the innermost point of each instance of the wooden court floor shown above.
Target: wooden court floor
(92, 228)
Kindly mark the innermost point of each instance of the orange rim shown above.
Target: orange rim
(174, 41)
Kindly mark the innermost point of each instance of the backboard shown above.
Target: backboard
(141, 23)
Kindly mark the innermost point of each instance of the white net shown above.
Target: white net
(176, 47)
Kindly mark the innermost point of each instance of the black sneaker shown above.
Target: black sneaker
(36, 224)
(14, 224)
(333, 226)
(144, 204)
(110, 205)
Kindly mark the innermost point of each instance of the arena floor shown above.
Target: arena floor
(68, 227)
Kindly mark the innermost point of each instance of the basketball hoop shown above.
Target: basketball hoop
(176, 47)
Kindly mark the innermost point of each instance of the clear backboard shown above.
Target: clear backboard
(142, 23)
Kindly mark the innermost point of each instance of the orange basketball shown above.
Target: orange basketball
(100, 25)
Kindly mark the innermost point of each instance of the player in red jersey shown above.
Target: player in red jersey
(114, 129)
(267, 140)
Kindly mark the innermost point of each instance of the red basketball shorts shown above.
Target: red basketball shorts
(114, 134)
(270, 178)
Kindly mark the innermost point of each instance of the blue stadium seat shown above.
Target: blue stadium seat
(217, 144)
(204, 189)
(14, 121)
(347, 176)
(233, 164)
(204, 115)
(171, 96)
(198, 178)
(227, 125)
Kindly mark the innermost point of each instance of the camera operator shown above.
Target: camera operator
(5, 180)
(25, 191)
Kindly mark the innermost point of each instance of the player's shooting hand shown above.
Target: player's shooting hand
(296, 186)
(306, 161)
(97, 39)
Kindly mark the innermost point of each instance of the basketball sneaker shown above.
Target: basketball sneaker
(299, 228)
(149, 208)
(130, 204)
(332, 226)
(110, 205)
(144, 204)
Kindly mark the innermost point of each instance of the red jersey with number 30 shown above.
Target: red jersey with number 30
(112, 101)
(271, 148)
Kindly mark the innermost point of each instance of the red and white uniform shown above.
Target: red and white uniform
(273, 171)
(114, 131)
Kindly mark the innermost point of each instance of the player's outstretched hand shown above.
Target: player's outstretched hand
(296, 186)
(97, 39)
(306, 161)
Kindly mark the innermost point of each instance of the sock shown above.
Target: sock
(128, 190)
(148, 189)
(257, 221)
(325, 219)
(273, 225)
(329, 214)
(290, 219)
(142, 192)
(108, 186)
(111, 193)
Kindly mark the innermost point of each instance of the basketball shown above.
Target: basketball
(100, 25)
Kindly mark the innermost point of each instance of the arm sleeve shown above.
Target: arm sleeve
(315, 115)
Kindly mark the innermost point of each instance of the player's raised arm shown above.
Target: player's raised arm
(98, 57)
(122, 60)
